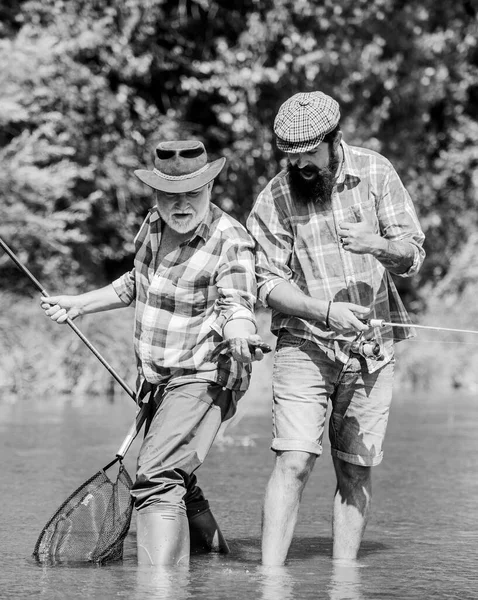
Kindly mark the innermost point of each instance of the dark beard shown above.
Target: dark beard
(311, 184)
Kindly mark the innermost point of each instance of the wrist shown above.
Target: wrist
(240, 327)
(82, 304)
(379, 246)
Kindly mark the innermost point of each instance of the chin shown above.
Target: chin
(183, 226)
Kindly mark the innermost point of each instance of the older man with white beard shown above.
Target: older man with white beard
(329, 229)
(194, 289)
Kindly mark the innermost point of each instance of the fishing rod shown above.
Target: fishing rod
(371, 348)
(383, 323)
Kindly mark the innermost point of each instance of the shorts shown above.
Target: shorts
(180, 431)
(305, 379)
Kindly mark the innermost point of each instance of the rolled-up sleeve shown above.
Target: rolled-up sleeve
(235, 281)
(125, 287)
(273, 244)
(398, 220)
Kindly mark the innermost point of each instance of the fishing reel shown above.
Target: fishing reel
(368, 348)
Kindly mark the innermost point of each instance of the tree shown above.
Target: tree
(93, 87)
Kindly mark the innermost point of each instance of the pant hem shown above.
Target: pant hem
(354, 459)
(284, 445)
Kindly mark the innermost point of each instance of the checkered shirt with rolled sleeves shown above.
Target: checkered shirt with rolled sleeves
(183, 303)
(299, 243)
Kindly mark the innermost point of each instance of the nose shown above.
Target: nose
(182, 201)
(298, 159)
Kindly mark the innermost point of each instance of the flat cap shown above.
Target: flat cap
(304, 120)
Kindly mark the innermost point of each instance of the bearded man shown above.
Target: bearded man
(194, 289)
(329, 230)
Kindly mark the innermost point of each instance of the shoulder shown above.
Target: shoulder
(277, 186)
(144, 230)
(364, 158)
(276, 195)
(227, 227)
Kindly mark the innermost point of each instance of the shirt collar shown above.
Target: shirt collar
(348, 169)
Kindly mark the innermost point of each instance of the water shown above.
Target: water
(421, 541)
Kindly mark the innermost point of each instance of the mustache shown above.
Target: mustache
(309, 172)
(311, 168)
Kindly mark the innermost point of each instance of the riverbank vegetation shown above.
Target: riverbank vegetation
(87, 88)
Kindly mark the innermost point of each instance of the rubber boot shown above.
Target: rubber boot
(163, 536)
(205, 534)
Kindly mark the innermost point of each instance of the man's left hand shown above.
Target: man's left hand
(243, 349)
(359, 238)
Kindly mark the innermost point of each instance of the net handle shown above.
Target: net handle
(70, 323)
(133, 431)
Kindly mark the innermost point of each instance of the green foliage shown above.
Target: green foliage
(87, 88)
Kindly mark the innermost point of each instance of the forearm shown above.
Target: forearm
(99, 300)
(287, 299)
(396, 256)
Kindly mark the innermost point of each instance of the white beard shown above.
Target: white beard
(184, 225)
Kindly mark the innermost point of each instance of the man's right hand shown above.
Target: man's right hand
(61, 308)
(345, 317)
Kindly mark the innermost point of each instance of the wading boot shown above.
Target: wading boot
(204, 532)
(163, 536)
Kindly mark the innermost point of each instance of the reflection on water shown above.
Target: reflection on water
(421, 541)
(276, 582)
(172, 583)
(345, 580)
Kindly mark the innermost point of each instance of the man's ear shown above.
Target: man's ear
(337, 140)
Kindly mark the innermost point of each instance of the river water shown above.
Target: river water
(421, 541)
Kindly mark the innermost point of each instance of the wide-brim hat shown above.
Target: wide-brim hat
(180, 166)
(304, 120)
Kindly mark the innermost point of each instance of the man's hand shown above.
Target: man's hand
(61, 308)
(345, 317)
(359, 238)
(242, 349)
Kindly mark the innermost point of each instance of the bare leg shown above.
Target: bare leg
(351, 507)
(281, 503)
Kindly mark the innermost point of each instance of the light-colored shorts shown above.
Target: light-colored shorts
(305, 379)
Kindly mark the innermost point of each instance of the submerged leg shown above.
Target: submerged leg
(351, 507)
(281, 503)
(163, 536)
(181, 433)
(204, 531)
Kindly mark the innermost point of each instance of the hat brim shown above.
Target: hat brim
(162, 184)
(296, 147)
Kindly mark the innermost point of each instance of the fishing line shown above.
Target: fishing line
(418, 340)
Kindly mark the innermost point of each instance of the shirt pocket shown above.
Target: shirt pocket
(362, 211)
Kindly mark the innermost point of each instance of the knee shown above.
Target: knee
(295, 465)
(353, 475)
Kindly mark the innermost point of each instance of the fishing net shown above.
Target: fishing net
(90, 526)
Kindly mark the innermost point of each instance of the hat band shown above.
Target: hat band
(181, 177)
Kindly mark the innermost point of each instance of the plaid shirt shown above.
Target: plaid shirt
(183, 303)
(299, 243)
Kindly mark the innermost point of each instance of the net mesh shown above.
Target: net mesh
(90, 526)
